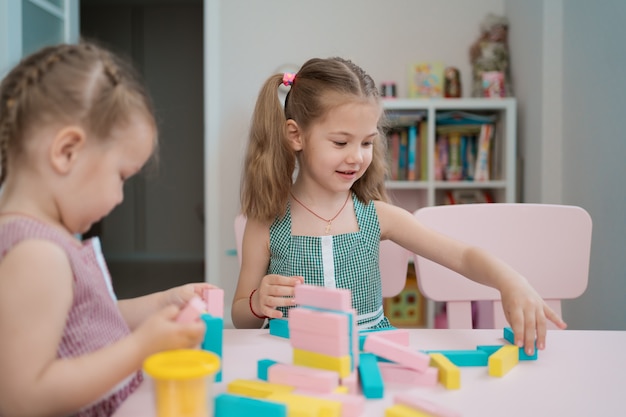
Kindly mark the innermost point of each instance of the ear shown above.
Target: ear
(66, 147)
(294, 135)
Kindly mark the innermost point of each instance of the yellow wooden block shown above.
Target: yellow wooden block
(342, 389)
(449, 374)
(399, 410)
(339, 364)
(299, 405)
(503, 360)
(256, 389)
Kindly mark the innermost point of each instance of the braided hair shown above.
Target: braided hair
(67, 83)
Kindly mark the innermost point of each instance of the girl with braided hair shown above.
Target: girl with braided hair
(322, 224)
(75, 123)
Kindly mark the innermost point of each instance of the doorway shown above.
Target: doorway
(155, 239)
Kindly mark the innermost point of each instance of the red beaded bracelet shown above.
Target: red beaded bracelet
(250, 304)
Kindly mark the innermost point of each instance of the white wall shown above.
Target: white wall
(382, 37)
(594, 103)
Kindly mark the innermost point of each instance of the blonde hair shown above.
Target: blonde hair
(319, 85)
(78, 83)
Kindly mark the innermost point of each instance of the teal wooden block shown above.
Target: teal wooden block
(263, 365)
(465, 357)
(509, 336)
(279, 327)
(489, 349)
(229, 405)
(370, 376)
(213, 338)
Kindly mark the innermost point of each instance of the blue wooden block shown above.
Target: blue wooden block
(509, 336)
(279, 327)
(262, 367)
(465, 357)
(229, 405)
(213, 338)
(370, 376)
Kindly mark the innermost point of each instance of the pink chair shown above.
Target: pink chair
(549, 244)
(394, 260)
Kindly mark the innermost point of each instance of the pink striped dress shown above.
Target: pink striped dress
(94, 321)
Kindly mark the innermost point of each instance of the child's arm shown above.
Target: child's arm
(271, 290)
(36, 290)
(525, 310)
(136, 310)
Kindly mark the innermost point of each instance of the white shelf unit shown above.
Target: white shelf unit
(415, 194)
(412, 195)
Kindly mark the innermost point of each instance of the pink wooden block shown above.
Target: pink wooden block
(337, 345)
(192, 311)
(398, 374)
(322, 297)
(397, 353)
(428, 407)
(322, 323)
(399, 336)
(303, 377)
(352, 382)
(214, 300)
(351, 405)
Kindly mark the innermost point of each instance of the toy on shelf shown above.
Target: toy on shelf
(489, 56)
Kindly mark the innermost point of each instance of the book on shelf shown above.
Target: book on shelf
(483, 157)
(411, 153)
(467, 197)
(426, 79)
(464, 146)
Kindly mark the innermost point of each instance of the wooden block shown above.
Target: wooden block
(523, 356)
(262, 367)
(372, 384)
(351, 382)
(213, 339)
(465, 357)
(397, 353)
(340, 364)
(399, 336)
(319, 322)
(397, 374)
(279, 328)
(214, 301)
(400, 410)
(192, 311)
(229, 405)
(339, 345)
(502, 361)
(304, 405)
(255, 389)
(428, 407)
(351, 405)
(304, 377)
(449, 373)
(323, 297)
(489, 349)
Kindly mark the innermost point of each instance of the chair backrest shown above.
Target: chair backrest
(549, 244)
(394, 260)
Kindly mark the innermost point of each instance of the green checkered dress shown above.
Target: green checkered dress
(349, 260)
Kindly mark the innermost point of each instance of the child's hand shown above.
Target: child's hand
(161, 332)
(527, 313)
(274, 291)
(181, 295)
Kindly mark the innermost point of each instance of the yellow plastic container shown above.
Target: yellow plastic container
(183, 382)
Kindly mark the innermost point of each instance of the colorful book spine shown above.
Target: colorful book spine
(482, 156)
(411, 153)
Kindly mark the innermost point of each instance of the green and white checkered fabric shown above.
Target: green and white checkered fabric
(342, 261)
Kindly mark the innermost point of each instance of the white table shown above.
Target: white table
(580, 373)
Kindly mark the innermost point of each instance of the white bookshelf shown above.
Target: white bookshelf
(502, 186)
(413, 195)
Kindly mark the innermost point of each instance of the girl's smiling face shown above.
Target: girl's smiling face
(338, 149)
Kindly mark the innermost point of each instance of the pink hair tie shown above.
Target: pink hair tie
(288, 78)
